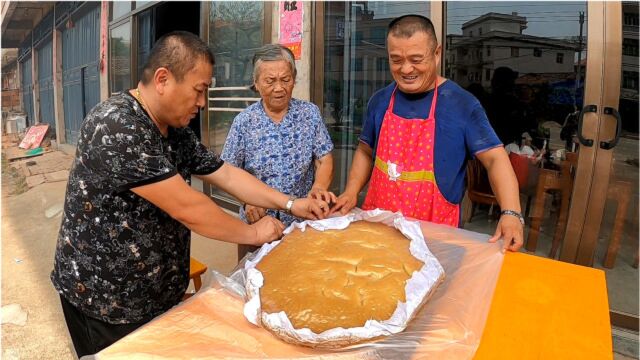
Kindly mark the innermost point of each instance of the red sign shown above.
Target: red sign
(296, 49)
(34, 136)
(291, 26)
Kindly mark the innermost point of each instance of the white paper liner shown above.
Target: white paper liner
(418, 288)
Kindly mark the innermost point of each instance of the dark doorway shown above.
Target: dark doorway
(173, 16)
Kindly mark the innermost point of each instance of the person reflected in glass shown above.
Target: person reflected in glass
(505, 111)
(417, 136)
(281, 140)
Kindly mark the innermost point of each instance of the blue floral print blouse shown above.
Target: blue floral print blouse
(281, 155)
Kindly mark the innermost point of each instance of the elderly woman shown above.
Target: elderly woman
(280, 140)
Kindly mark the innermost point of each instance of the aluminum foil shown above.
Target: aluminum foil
(418, 288)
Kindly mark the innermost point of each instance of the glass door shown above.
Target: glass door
(559, 82)
(609, 239)
(526, 64)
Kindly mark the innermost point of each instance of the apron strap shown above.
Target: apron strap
(434, 101)
(393, 99)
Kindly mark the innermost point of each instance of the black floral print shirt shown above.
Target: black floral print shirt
(119, 258)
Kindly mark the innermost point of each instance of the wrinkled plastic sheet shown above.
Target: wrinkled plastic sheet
(211, 324)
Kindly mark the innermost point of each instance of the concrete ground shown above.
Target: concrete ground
(30, 222)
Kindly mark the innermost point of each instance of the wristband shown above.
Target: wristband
(289, 205)
(513, 213)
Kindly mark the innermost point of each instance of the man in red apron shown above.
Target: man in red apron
(417, 137)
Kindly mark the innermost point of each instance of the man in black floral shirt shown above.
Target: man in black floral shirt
(122, 255)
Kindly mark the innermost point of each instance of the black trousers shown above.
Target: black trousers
(90, 335)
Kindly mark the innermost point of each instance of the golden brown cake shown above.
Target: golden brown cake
(337, 278)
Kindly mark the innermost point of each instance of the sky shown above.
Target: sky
(547, 19)
(557, 19)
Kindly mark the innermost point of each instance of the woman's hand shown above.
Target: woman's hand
(254, 213)
(308, 208)
(324, 195)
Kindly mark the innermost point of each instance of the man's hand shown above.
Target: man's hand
(254, 213)
(345, 202)
(324, 195)
(309, 208)
(511, 231)
(267, 229)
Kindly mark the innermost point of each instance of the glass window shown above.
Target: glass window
(537, 52)
(487, 74)
(358, 64)
(383, 64)
(488, 50)
(630, 47)
(559, 58)
(120, 57)
(631, 19)
(515, 52)
(349, 75)
(378, 36)
(139, 4)
(145, 39)
(358, 37)
(119, 9)
(630, 80)
(235, 31)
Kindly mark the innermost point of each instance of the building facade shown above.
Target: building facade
(497, 40)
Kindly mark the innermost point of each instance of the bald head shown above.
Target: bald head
(406, 26)
(178, 51)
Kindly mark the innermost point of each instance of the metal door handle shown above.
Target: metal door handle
(583, 141)
(608, 145)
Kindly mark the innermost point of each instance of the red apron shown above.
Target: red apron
(403, 178)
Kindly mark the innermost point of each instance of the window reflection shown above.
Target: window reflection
(529, 53)
(120, 8)
(235, 31)
(120, 44)
(524, 61)
(355, 66)
(145, 39)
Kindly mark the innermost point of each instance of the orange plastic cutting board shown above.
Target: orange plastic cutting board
(545, 309)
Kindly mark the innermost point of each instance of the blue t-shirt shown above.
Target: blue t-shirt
(462, 130)
(280, 155)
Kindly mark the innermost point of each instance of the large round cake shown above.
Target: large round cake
(337, 278)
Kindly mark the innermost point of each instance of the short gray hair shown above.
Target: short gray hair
(273, 52)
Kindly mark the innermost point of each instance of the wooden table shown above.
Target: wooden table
(541, 309)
